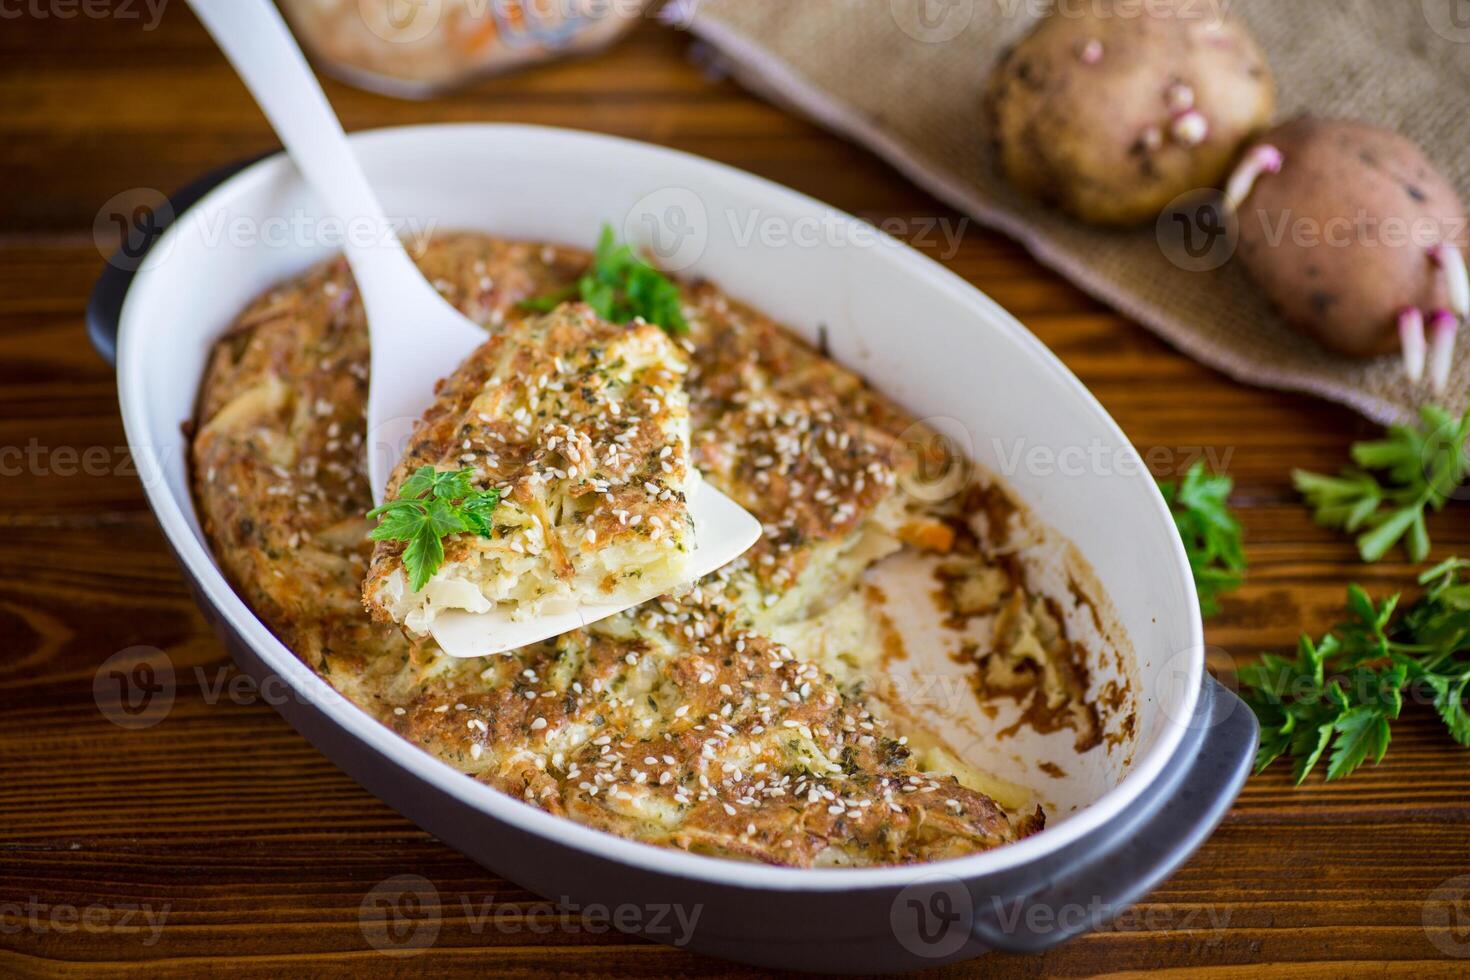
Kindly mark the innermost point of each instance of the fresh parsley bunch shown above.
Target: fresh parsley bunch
(430, 506)
(621, 287)
(1342, 692)
(1418, 469)
(1212, 535)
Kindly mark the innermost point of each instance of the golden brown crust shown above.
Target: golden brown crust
(583, 427)
(805, 447)
(731, 745)
(755, 753)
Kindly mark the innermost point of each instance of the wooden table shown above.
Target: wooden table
(261, 852)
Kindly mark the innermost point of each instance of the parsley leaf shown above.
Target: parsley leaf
(1212, 535)
(1396, 481)
(1361, 732)
(431, 506)
(1343, 692)
(621, 287)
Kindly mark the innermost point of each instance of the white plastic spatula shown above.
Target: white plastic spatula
(417, 337)
(464, 634)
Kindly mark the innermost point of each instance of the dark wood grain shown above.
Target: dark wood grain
(262, 852)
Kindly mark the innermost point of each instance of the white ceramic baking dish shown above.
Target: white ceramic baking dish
(916, 331)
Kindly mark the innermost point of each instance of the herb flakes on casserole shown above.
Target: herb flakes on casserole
(729, 720)
(580, 429)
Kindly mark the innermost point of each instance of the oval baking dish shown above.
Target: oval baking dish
(918, 333)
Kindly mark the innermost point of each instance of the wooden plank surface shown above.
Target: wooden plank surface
(257, 853)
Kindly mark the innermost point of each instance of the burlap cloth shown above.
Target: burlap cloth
(852, 66)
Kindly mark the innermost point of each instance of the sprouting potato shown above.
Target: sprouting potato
(1355, 237)
(1113, 111)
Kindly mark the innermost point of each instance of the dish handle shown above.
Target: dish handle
(1091, 882)
(104, 308)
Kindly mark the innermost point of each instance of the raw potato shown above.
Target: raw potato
(1340, 239)
(1111, 112)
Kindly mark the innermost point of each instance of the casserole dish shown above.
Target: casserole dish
(919, 333)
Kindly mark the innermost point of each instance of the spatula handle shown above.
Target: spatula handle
(259, 45)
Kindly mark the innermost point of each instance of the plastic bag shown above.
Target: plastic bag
(419, 48)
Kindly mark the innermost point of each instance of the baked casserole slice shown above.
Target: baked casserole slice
(711, 721)
(582, 428)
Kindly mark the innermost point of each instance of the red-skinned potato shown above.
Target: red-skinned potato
(1346, 230)
(1114, 109)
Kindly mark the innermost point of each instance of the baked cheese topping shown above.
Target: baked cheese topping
(738, 719)
(583, 427)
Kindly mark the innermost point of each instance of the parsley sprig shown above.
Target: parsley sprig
(1397, 480)
(621, 287)
(432, 505)
(1342, 692)
(1212, 535)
